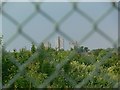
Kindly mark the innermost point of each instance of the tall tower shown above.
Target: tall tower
(59, 43)
(62, 43)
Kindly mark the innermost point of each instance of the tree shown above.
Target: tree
(76, 68)
(15, 53)
(42, 46)
(1, 38)
(86, 49)
(33, 49)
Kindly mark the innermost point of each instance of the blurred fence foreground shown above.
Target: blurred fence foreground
(67, 69)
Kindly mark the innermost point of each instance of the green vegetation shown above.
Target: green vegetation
(78, 68)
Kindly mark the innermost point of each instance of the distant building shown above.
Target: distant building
(59, 43)
(73, 44)
(47, 44)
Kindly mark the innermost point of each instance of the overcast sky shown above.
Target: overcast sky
(75, 27)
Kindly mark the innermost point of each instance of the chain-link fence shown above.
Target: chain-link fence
(59, 67)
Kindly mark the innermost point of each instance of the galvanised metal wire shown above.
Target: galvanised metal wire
(57, 25)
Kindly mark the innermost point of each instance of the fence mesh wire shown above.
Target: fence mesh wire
(59, 67)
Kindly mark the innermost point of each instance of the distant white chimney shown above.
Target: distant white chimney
(59, 43)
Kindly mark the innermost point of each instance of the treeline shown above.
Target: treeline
(45, 61)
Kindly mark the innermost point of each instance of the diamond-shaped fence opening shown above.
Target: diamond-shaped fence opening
(55, 67)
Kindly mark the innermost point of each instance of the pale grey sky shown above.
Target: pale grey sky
(76, 26)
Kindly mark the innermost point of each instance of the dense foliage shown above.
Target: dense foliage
(79, 67)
